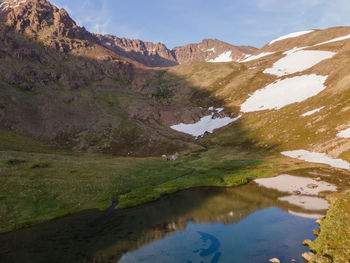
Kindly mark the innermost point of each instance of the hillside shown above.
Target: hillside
(61, 86)
(76, 109)
(311, 111)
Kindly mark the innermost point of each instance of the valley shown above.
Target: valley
(91, 121)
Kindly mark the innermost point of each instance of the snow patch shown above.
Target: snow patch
(344, 133)
(224, 57)
(311, 112)
(5, 5)
(284, 92)
(211, 50)
(290, 184)
(314, 157)
(298, 60)
(250, 58)
(291, 35)
(334, 40)
(207, 123)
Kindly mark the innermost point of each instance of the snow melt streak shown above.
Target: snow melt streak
(206, 123)
(314, 157)
(334, 40)
(311, 112)
(295, 34)
(250, 58)
(284, 92)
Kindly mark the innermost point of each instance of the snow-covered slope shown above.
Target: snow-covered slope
(291, 35)
(284, 92)
(298, 60)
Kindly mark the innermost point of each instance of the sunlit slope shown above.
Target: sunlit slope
(303, 118)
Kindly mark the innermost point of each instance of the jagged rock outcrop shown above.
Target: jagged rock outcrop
(211, 50)
(147, 53)
(40, 20)
(158, 55)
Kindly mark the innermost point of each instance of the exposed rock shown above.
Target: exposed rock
(158, 55)
(210, 49)
(312, 186)
(40, 20)
(307, 256)
(274, 260)
(147, 53)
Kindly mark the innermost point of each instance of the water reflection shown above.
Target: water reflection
(198, 225)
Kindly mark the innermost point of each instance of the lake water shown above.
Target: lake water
(241, 224)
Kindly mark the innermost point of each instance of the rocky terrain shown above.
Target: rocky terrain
(158, 55)
(61, 86)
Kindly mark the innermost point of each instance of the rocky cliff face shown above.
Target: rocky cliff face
(211, 50)
(147, 53)
(158, 55)
(58, 84)
(39, 20)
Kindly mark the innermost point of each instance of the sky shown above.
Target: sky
(180, 22)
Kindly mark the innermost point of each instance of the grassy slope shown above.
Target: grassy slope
(42, 184)
(285, 129)
(333, 243)
(232, 83)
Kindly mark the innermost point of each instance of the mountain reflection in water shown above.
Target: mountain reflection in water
(185, 227)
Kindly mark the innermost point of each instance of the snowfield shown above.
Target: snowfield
(250, 58)
(334, 40)
(206, 123)
(295, 34)
(224, 57)
(344, 133)
(297, 60)
(311, 112)
(314, 157)
(284, 92)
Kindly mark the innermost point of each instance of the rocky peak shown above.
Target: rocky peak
(147, 53)
(211, 50)
(42, 21)
(158, 55)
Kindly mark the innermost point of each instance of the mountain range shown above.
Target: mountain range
(158, 55)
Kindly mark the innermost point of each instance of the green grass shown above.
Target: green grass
(333, 243)
(36, 187)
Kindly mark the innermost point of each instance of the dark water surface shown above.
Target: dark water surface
(242, 224)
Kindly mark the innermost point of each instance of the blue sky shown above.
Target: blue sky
(180, 22)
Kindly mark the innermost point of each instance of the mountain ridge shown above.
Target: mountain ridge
(158, 55)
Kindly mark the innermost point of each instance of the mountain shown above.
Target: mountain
(292, 93)
(147, 53)
(158, 55)
(59, 85)
(211, 50)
